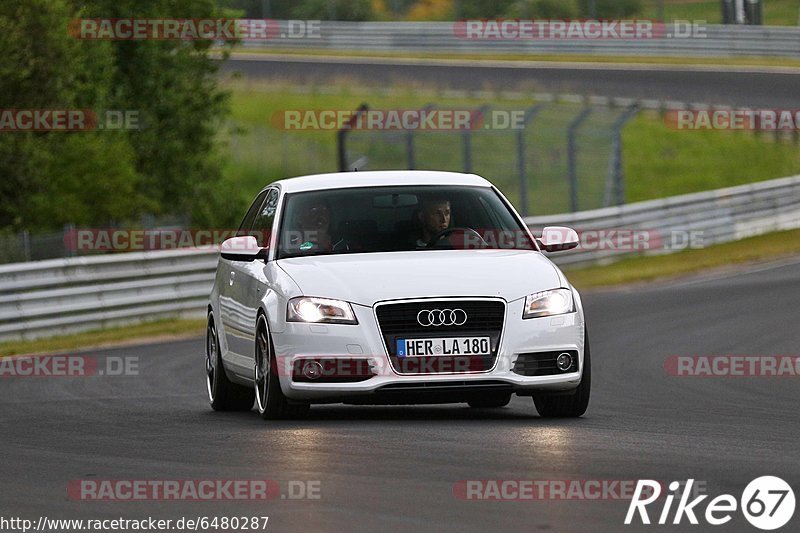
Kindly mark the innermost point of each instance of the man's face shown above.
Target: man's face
(314, 217)
(435, 217)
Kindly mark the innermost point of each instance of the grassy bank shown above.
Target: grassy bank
(641, 269)
(678, 61)
(658, 161)
(162, 329)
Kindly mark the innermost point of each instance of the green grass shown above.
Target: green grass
(737, 61)
(178, 328)
(648, 268)
(776, 12)
(658, 161)
(663, 162)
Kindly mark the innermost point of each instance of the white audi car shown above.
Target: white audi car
(394, 287)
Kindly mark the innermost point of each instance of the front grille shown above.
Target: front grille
(399, 321)
(543, 363)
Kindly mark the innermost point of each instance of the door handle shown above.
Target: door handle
(233, 275)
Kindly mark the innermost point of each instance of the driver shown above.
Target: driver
(434, 217)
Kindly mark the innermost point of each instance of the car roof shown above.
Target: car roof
(341, 180)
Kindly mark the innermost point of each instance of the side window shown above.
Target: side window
(247, 222)
(262, 225)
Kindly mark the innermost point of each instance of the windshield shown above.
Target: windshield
(402, 218)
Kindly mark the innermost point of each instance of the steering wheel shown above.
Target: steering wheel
(447, 231)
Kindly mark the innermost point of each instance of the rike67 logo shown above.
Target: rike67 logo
(767, 503)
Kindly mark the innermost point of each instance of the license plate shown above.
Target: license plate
(443, 347)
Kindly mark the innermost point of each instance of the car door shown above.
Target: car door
(247, 290)
(230, 291)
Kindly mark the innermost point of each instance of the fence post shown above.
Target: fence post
(466, 136)
(615, 185)
(572, 157)
(69, 240)
(530, 113)
(411, 160)
(341, 137)
(26, 244)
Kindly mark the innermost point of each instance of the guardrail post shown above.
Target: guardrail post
(615, 185)
(572, 157)
(341, 137)
(530, 113)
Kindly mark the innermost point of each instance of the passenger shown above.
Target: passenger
(313, 221)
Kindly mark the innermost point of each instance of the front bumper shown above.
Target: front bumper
(300, 342)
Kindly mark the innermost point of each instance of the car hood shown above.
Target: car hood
(368, 278)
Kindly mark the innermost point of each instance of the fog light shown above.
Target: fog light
(312, 370)
(564, 362)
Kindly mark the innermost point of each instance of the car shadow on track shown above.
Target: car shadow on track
(334, 414)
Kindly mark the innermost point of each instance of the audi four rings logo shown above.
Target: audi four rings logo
(442, 317)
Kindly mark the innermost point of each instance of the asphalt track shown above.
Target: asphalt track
(394, 468)
(736, 86)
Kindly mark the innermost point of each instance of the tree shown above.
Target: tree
(43, 68)
(173, 87)
(49, 178)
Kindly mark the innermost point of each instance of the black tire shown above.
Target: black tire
(270, 400)
(223, 395)
(569, 405)
(491, 402)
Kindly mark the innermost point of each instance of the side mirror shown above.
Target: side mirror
(244, 248)
(558, 238)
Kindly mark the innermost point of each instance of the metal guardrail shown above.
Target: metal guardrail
(59, 296)
(718, 40)
(715, 217)
(45, 298)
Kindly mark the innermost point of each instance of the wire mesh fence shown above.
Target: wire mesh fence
(23, 246)
(262, 149)
(557, 157)
(561, 157)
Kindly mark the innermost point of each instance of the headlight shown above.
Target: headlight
(546, 303)
(307, 309)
